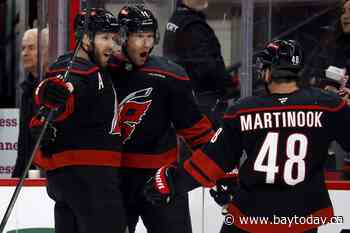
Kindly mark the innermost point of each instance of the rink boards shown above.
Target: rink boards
(34, 209)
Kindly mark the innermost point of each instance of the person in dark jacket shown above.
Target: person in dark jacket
(28, 108)
(190, 42)
(336, 51)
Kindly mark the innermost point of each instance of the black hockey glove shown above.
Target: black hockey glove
(159, 190)
(225, 189)
(49, 137)
(52, 93)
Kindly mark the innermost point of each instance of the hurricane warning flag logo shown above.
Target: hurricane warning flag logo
(131, 110)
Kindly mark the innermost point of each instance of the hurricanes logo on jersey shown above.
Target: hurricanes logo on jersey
(283, 100)
(131, 110)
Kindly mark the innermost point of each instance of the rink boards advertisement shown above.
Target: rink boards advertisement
(9, 125)
(34, 210)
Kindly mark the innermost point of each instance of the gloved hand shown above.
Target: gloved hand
(49, 135)
(225, 189)
(48, 138)
(52, 93)
(159, 190)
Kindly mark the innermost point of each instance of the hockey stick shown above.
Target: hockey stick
(24, 174)
(47, 120)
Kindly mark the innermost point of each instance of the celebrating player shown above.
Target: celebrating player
(285, 135)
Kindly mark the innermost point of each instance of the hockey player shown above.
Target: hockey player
(156, 103)
(82, 164)
(285, 135)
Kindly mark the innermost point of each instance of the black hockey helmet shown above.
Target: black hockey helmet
(137, 19)
(284, 57)
(94, 20)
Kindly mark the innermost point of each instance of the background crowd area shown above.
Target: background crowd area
(242, 27)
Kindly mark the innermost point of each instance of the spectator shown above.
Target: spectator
(337, 50)
(30, 64)
(190, 42)
(336, 53)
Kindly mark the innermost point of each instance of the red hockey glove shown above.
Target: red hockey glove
(52, 93)
(225, 189)
(159, 190)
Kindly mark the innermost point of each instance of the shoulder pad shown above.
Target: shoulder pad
(312, 98)
(80, 66)
(242, 103)
(160, 66)
(327, 99)
(246, 102)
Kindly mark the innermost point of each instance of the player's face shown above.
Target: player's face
(345, 18)
(104, 45)
(139, 46)
(29, 52)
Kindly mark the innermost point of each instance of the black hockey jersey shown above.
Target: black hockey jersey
(286, 138)
(156, 104)
(87, 130)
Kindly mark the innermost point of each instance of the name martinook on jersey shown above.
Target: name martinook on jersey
(286, 119)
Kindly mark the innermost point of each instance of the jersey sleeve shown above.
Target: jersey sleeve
(219, 156)
(186, 117)
(85, 80)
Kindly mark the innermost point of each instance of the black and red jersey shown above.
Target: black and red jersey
(156, 103)
(286, 139)
(87, 130)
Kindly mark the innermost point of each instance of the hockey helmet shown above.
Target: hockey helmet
(282, 56)
(94, 20)
(137, 19)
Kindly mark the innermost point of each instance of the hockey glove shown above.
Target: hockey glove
(159, 190)
(48, 138)
(52, 93)
(225, 189)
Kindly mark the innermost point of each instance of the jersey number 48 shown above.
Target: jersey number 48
(296, 158)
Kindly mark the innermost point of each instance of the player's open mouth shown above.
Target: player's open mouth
(144, 54)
